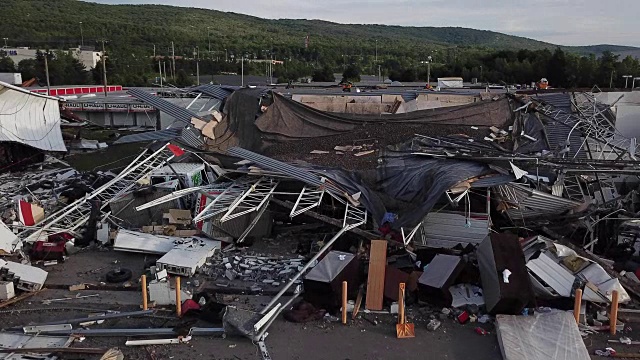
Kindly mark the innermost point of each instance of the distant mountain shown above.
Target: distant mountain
(57, 23)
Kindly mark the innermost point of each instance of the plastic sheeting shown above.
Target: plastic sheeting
(30, 119)
(405, 184)
(286, 119)
(541, 337)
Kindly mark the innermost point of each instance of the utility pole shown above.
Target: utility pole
(379, 73)
(160, 69)
(154, 51)
(209, 38)
(104, 69)
(242, 71)
(81, 35)
(429, 60)
(376, 51)
(611, 80)
(173, 56)
(46, 70)
(198, 65)
(164, 67)
(5, 42)
(626, 80)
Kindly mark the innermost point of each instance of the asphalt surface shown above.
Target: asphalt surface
(323, 339)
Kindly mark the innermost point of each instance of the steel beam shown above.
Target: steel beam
(252, 199)
(307, 200)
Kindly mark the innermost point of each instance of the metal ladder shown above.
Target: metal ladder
(75, 214)
(252, 199)
(223, 201)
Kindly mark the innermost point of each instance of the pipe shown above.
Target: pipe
(145, 305)
(94, 318)
(344, 302)
(576, 305)
(157, 341)
(613, 315)
(285, 306)
(304, 268)
(178, 300)
(134, 332)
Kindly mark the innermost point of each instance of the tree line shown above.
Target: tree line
(561, 68)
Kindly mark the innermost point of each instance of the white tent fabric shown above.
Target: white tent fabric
(30, 119)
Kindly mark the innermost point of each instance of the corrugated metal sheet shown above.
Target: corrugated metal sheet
(192, 137)
(215, 91)
(531, 203)
(557, 132)
(442, 229)
(162, 135)
(491, 181)
(30, 119)
(179, 113)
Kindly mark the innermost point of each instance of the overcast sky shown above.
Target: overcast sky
(564, 22)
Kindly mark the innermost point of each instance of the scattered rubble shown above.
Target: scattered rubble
(466, 209)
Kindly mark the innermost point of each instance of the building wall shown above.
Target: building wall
(627, 111)
(88, 58)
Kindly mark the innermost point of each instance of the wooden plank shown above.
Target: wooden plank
(375, 281)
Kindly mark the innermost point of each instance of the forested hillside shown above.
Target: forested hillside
(134, 33)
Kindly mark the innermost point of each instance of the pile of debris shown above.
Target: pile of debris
(492, 211)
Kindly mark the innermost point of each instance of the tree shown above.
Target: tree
(558, 69)
(182, 79)
(27, 68)
(325, 74)
(607, 68)
(351, 73)
(7, 65)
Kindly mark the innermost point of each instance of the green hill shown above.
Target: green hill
(39, 23)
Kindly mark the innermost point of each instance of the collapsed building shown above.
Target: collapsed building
(522, 198)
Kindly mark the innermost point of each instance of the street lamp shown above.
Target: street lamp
(209, 38)
(81, 35)
(428, 62)
(626, 79)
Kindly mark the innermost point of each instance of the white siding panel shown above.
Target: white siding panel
(30, 119)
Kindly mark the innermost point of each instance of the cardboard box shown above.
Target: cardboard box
(178, 216)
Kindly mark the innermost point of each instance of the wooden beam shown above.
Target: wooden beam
(375, 281)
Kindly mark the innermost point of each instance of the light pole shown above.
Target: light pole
(429, 59)
(81, 35)
(626, 80)
(198, 64)
(5, 42)
(209, 38)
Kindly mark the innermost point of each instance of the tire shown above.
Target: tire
(119, 275)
